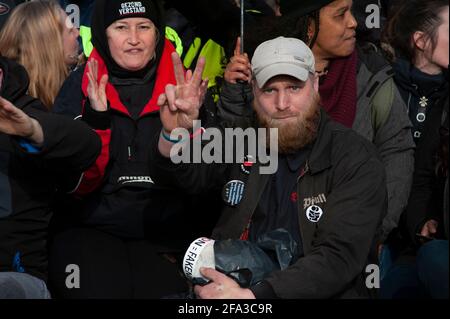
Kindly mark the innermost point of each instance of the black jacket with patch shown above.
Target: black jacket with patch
(391, 136)
(344, 177)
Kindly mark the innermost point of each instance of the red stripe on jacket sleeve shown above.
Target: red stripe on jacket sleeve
(93, 177)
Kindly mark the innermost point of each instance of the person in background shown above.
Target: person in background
(39, 152)
(47, 46)
(419, 34)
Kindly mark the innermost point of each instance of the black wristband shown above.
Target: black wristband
(96, 120)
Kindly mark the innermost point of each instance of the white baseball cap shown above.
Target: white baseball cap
(282, 56)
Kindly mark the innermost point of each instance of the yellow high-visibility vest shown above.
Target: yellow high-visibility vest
(86, 37)
(214, 53)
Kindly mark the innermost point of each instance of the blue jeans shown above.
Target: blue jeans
(427, 277)
(432, 268)
(14, 285)
(386, 260)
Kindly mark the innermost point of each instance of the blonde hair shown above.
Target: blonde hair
(32, 36)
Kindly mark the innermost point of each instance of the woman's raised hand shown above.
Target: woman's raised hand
(97, 89)
(180, 104)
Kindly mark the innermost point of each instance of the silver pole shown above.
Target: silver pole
(242, 25)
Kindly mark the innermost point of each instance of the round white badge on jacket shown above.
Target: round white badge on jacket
(314, 213)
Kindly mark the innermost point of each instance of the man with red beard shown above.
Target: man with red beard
(329, 191)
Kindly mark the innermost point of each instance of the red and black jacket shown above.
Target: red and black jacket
(118, 194)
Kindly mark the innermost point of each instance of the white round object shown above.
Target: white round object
(199, 254)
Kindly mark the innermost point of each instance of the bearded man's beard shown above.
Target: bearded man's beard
(297, 132)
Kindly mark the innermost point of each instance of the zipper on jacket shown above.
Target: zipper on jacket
(305, 170)
(133, 140)
(409, 103)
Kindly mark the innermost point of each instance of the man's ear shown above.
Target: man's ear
(420, 40)
(254, 85)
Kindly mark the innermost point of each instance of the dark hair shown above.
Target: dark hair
(289, 25)
(409, 17)
(297, 27)
(269, 27)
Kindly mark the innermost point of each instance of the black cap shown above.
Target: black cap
(302, 7)
(102, 18)
(121, 9)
